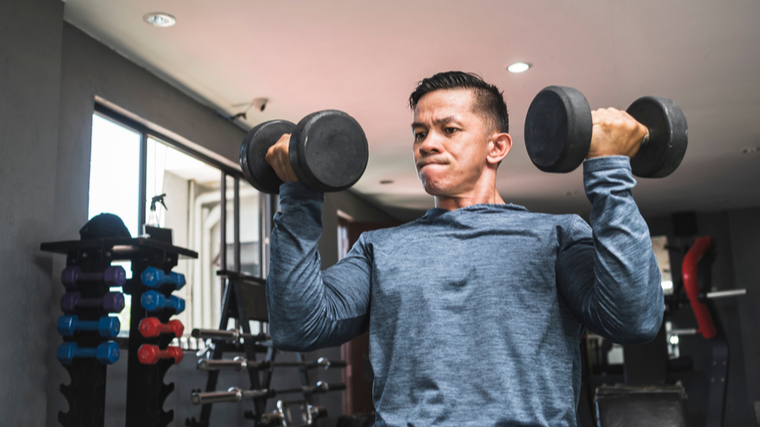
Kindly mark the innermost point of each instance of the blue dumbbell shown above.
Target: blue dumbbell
(153, 277)
(107, 353)
(106, 326)
(154, 301)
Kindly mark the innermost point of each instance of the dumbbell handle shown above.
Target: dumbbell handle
(231, 335)
(233, 395)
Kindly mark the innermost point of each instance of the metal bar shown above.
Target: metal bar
(723, 294)
(223, 223)
(236, 224)
(142, 182)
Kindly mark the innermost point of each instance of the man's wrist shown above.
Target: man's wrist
(606, 163)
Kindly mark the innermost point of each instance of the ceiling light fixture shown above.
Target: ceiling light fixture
(519, 67)
(750, 150)
(159, 19)
(386, 181)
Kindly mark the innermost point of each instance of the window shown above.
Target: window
(193, 185)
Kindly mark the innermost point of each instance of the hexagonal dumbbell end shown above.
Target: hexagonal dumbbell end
(177, 303)
(113, 302)
(67, 325)
(153, 301)
(178, 279)
(150, 354)
(107, 353)
(66, 352)
(151, 327)
(153, 277)
(69, 276)
(109, 327)
(115, 276)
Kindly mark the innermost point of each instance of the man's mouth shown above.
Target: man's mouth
(422, 163)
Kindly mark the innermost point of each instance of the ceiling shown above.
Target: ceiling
(365, 57)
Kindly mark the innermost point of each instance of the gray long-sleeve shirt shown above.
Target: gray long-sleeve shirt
(474, 315)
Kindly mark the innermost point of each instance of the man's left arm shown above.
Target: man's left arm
(607, 273)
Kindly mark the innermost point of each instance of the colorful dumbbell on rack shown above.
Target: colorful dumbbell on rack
(106, 353)
(151, 327)
(111, 302)
(150, 354)
(153, 277)
(154, 301)
(113, 276)
(105, 326)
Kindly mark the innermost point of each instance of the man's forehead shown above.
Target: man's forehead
(444, 105)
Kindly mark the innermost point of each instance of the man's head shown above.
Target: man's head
(460, 136)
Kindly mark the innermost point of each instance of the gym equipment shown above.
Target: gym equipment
(106, 353)
(235, 394)
(230, 335)
(297, 413)
(150, 327)
(150, 354)
(112, 276)
(112, 302)
(558, 130)
(154, 301)
(153, 277)
(328, 152)
(241, 364)
(106, 326)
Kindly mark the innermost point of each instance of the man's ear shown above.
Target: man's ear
(498, 147)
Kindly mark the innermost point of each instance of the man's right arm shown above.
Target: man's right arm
(309, 308)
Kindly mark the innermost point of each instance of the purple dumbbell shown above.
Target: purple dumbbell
(113, 276)
(112, 302)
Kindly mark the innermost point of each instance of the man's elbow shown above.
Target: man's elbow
(289, 340)
(643, 331)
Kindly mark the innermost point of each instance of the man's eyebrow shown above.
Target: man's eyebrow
(440, 121)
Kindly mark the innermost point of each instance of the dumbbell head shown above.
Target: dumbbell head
(328, 151)
(108, 326)
(253, 154)
(177, 303)
(70, 275)
(558, 129)
(668, 136)
(115, 276)
(107, 353)
(152, 301)
(113, 302)
(152, 277)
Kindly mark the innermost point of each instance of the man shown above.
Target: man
(475, 311)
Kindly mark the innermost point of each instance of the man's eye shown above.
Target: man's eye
(450, 130)
(419, 136)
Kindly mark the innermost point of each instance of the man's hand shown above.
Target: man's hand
(615, 133)
(279, 159)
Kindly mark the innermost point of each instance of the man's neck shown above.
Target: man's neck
(450, 203)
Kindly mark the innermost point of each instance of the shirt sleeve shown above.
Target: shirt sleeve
(608, 273)
(310, 308)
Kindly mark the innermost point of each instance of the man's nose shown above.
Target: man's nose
(431, 144)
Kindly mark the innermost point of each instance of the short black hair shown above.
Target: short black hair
(488, 99)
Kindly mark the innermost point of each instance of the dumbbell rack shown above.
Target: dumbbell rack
(146, 391)
(244, 300)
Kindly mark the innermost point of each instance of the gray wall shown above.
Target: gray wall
(30, 63)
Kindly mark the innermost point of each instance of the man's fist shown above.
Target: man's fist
(279, 159)
(614, 133)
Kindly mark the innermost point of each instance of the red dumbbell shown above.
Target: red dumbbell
(151, 327)
(150, 354)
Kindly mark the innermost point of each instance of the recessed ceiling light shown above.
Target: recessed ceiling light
(386, 181)
(159, 19)
(750, 150)
(518, 67)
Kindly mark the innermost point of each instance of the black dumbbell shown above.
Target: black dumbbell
(328, 152)
(558, 132)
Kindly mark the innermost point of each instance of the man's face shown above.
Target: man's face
(450, 142)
